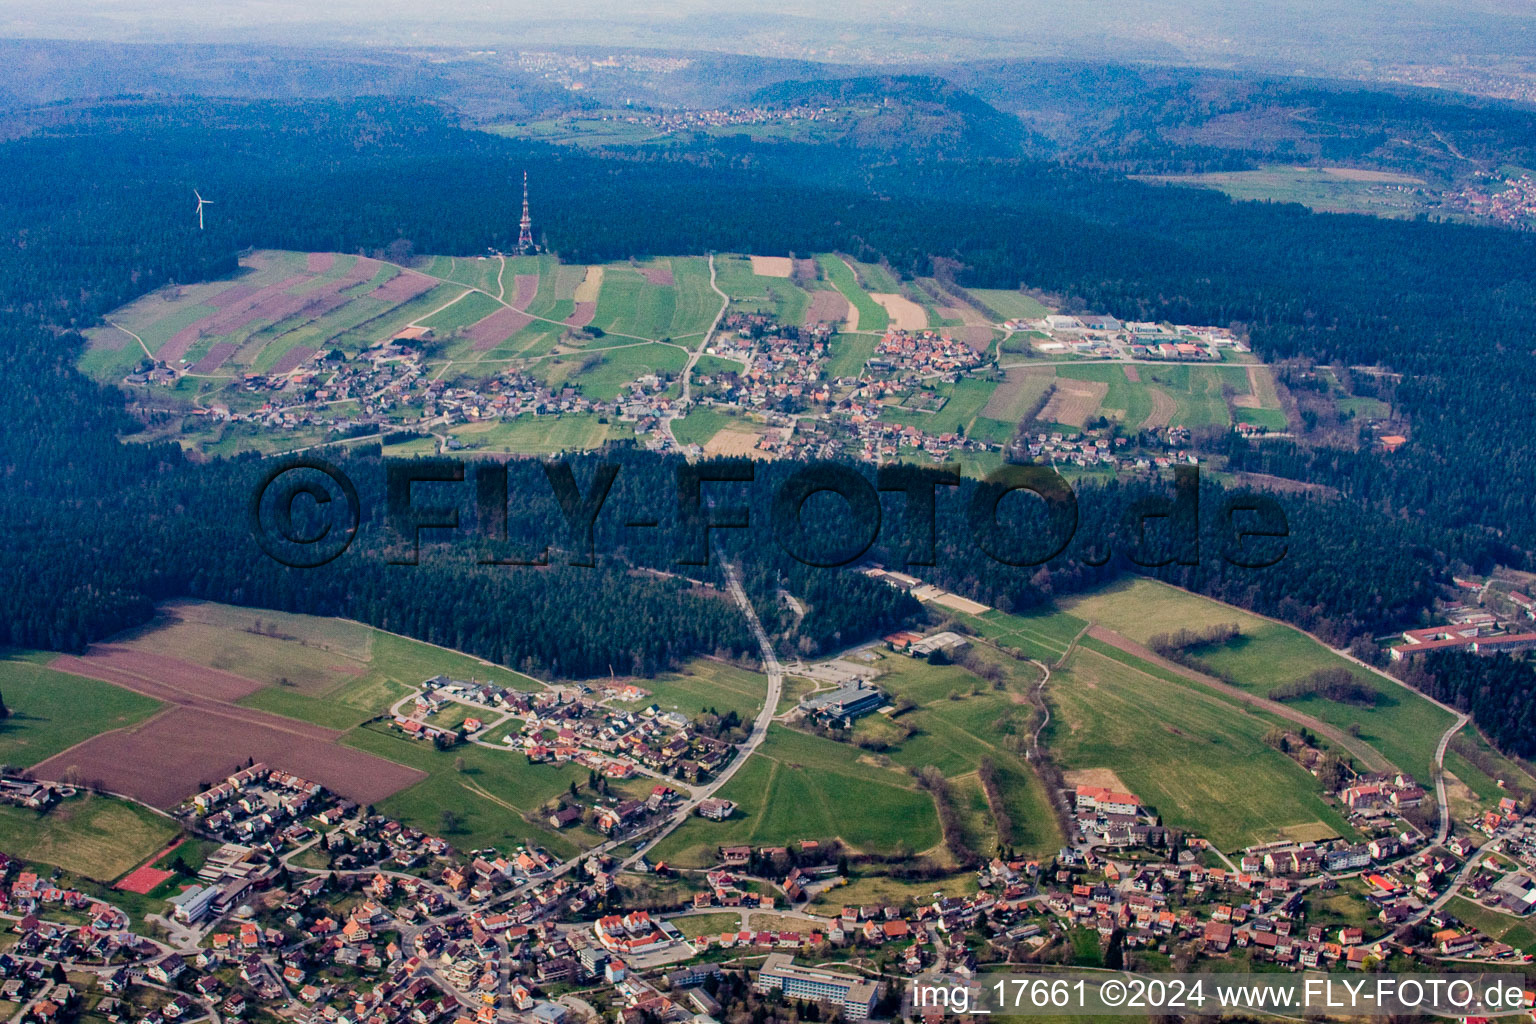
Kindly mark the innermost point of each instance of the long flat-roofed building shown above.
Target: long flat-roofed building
(847, 702)
(854, 995)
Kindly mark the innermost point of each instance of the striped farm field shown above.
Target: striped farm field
(1011, 305)
(871, 315)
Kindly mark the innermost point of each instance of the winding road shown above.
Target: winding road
(775, 673)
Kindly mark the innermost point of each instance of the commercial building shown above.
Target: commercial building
(848, 702)
(192, 903)
(854, 995)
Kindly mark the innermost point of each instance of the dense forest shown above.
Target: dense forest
(1496, 690)
(96, 213)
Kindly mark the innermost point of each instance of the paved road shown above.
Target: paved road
(775, 673)
(1441, 798)
(693, 357)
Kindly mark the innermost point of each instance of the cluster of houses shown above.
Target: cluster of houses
(633, 933)
(578, 725)
(702, 120)
(783, 367)
(401, 929)
(373, 388)
(921, 352)
(859, 429)
(1096, 450)
(1114, 818)
(856, 428)
(261, 807)
(1375, 794)
(1510, 200)
(785, 372)
(614, 740)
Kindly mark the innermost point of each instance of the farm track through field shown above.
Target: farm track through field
(502, 301)
(147, 353)
(1368, 755)
(1163, 408)
(693, 355)
(1460, 722)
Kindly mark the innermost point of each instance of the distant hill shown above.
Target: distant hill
(1153, 118)
(902, 112)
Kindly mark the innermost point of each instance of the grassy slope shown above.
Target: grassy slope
(956, 727)
(52, 711)
(706, 684)
(1403, 726)
(97, 836)
(1198, 759)
(489, 796)
(799, 786)
(1012, 305)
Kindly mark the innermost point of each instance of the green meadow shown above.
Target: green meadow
(52, 711)
(798, 786)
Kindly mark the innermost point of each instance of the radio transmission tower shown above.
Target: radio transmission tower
(525, 226)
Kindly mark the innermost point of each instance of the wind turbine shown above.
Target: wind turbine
(201, 202)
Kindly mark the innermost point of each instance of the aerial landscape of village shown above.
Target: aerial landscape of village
(816, 516)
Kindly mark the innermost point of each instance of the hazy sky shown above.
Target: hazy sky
(1338, 30)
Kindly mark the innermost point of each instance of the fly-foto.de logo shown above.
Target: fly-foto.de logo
(305, 512)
